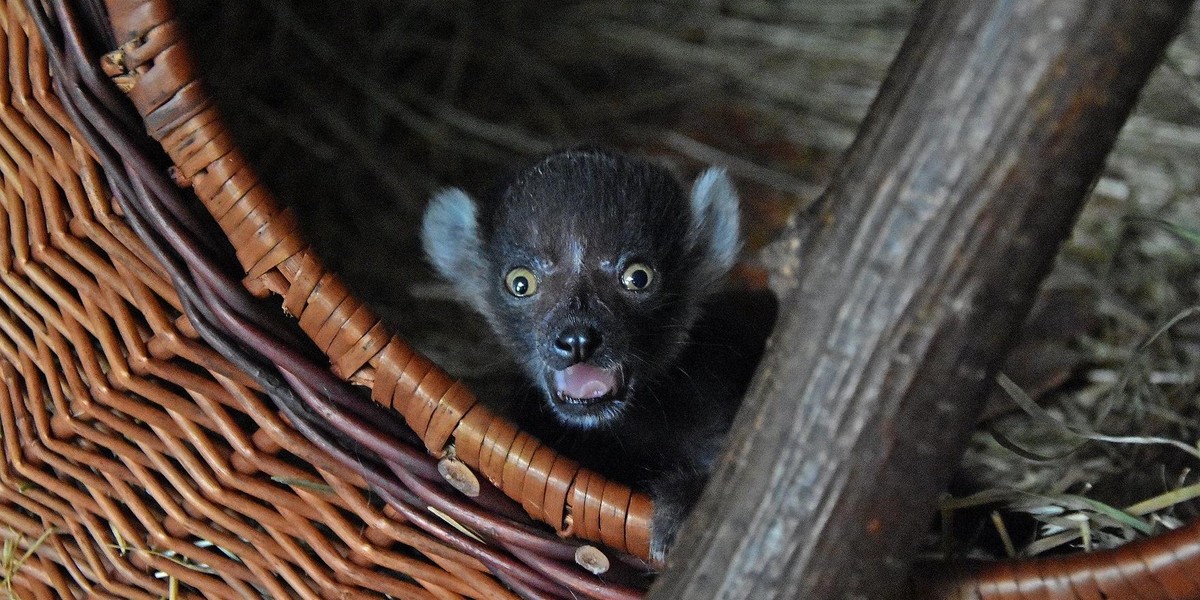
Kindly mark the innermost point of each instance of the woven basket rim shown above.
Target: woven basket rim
(153, 63)
(156, 72)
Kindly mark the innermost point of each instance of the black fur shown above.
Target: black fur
(578, 220)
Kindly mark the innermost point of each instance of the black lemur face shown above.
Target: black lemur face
(590, 266)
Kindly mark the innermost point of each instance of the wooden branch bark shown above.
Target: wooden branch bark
(901, 291)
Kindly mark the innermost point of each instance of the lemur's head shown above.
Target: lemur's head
(590, 266)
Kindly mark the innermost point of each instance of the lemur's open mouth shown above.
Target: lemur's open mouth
(584, 385)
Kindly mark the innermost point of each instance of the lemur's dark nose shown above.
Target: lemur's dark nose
(577, 343)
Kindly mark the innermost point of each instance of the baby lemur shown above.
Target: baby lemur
(598, 273)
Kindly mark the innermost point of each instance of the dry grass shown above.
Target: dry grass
(11, 557)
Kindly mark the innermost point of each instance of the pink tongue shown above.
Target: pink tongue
(584, 381)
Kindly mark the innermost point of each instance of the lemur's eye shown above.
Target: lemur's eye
(521, 282)
(637, 277)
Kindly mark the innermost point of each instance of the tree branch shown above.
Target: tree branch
(902, 290)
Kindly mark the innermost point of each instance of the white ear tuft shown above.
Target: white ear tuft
(450, 238)
(714, 229)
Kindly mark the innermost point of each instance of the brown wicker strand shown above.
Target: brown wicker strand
(111, 377)
(320, 301)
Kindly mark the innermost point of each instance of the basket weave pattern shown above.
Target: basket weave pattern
(130, 443)
(551, 488)
(141, 461)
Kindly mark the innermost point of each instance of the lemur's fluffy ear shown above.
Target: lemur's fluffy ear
(714, 230)
(450, 237)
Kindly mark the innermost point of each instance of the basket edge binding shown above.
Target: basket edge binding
(162, 84)
(95, 387)
(156, 209)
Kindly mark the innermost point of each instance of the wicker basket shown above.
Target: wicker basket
(170, 431)
(135, 449)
